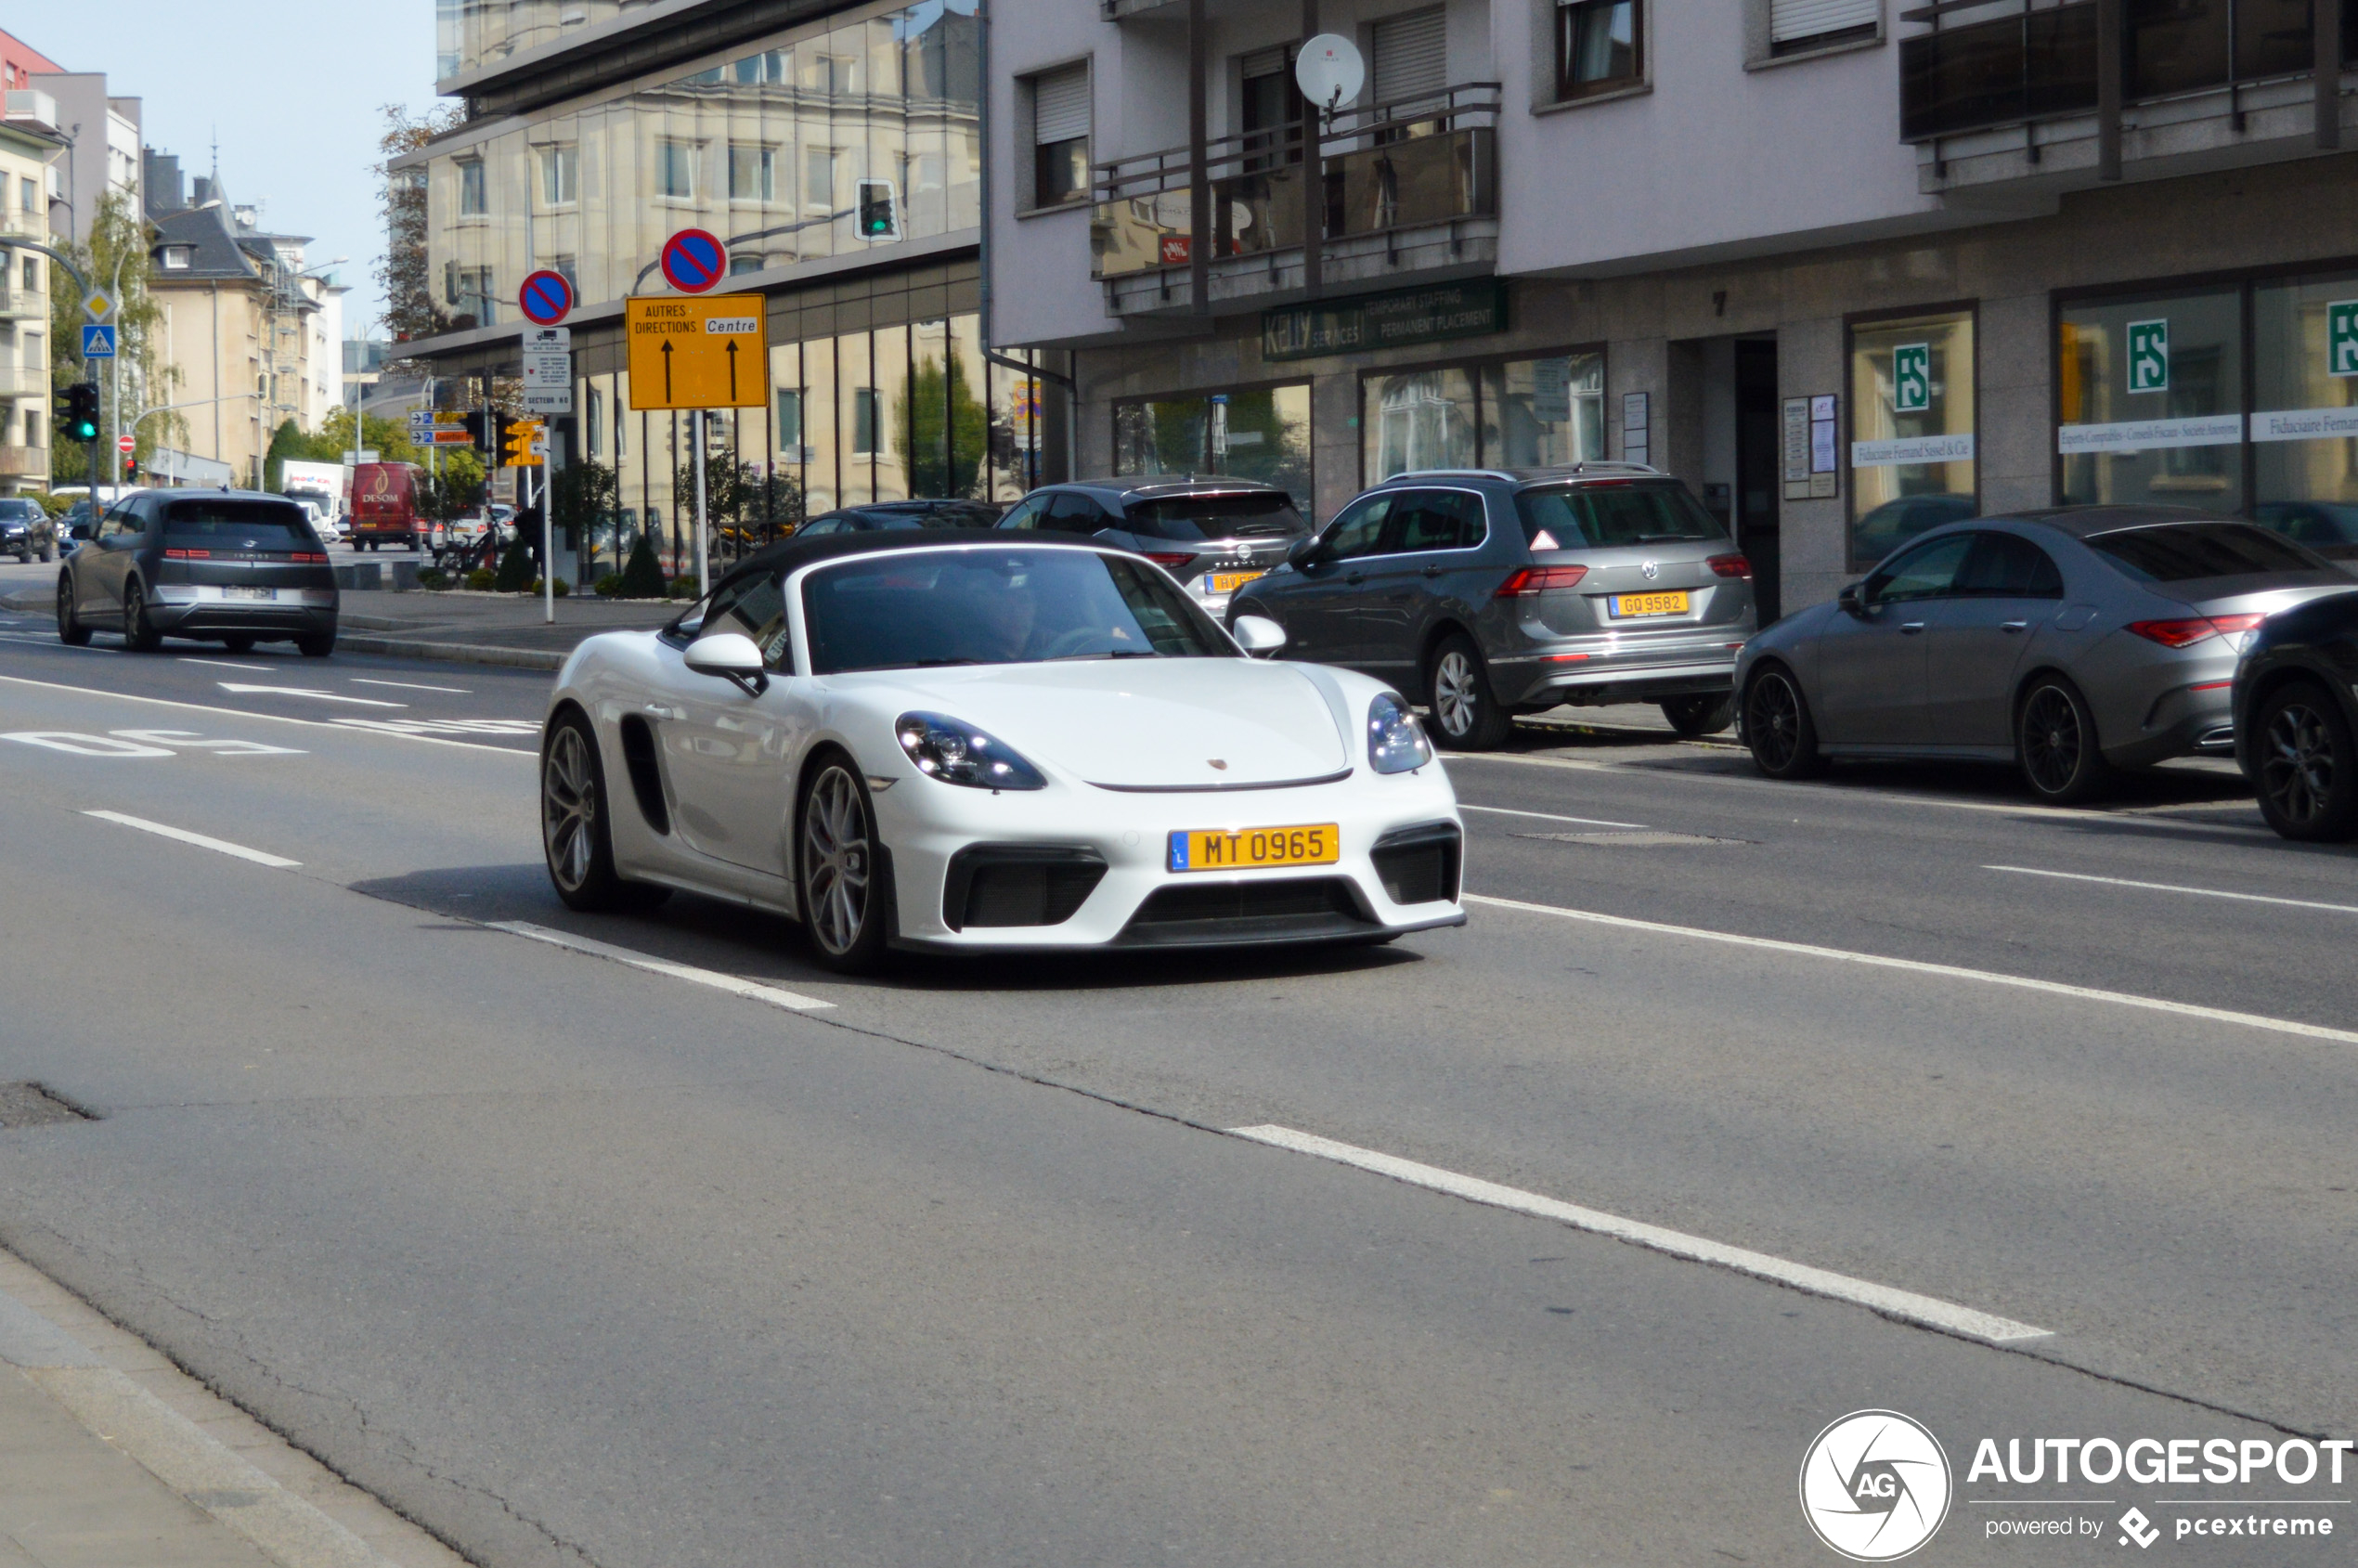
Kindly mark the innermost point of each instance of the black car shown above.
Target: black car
(900, 515)
(26, 529)
(2295, 707)
(232, 566)
(1214, 535)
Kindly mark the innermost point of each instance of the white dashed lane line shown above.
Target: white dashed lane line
(242, 690)
(1543, 816)
(733, 984)
(413, 686)
(2174, 888)
(219, 845)
(1905, 1305)
(225, 663)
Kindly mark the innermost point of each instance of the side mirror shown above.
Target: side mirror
(1258, 635)
(1304, 551)
(732, 656)
(1850, 602)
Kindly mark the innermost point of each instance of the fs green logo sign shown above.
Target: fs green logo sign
(1911, 377)
(2341, 338)
(2149, 356)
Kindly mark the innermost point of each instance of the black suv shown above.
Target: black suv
(26, 529)
(1214, 534)
(230, 566)
(1488, 592)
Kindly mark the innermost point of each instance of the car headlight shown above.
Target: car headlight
(1396, 742)
(957, 753)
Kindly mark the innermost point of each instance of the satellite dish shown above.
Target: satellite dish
(1329, 72)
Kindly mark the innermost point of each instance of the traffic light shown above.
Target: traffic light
(879, 215)
(78, 414)
(518, 443)
(488, 426)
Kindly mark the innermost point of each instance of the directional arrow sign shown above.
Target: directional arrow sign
(697, 353)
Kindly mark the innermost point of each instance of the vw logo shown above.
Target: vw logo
(1650, 569)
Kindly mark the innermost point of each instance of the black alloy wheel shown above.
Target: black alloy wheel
(2307, 772)
(575, 836)
(139, 633)
(1466, 715)
(71, 632)
(842, 892)
(1704, 714)
(1777, 729)
(2055, 740)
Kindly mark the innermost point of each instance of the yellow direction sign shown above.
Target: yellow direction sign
(688, 351)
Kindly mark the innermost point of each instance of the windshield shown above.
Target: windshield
(18, 511)
(1592, 516)
(2176, 553)
(912, 610)
(270, 525)
(1258, 515)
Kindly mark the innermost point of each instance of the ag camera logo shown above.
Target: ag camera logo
(1875, 1485)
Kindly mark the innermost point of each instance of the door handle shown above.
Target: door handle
(1432, 571)
(1909, 628)
(2013, 626)
(1354, 577)
(656, 710)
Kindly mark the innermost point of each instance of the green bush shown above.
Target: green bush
(607, 586)
(482, 579)
(561, 591)
(515, 569)
(641, 578)
(683, 588)
(433, 577)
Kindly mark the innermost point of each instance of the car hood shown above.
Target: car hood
(1138, 723)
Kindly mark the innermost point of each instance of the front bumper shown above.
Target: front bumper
(939, 833)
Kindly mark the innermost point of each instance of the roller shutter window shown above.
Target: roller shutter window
(1412, 57)
(1797, 24)
(1061, 135)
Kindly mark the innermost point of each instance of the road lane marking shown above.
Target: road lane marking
(1545, 816)
(225, 663)
(251, 713)
(2173, 888)
(414, 686)
(222, 845)
(1905, 1305)
(1947, 971)
(75, 744)
(306, 692)
(734, 985)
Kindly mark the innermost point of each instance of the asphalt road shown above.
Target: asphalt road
(575, 1260)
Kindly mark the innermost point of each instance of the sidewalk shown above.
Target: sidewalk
(111, 1455)
(495, 629)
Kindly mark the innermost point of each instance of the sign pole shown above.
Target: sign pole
(703, 541)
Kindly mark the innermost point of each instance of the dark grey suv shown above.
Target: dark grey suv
(1488, 592)
(232, 566)
(26, 529)
(1214, 534)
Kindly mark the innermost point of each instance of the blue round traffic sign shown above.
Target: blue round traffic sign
(546, 298)
(693, 260)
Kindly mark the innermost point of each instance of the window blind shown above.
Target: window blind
(1792, 21)
(1061, 105)
(1412, 56)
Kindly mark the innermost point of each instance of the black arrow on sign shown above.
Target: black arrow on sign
(733, 369)
(666, 370)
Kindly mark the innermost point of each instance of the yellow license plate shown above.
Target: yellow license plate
(1649, 604)
(1229, 582)
(1249, 849)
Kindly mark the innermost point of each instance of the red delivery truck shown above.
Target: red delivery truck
(385, 505)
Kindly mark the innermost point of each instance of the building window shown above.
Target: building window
(753, 173)
(742, 262)
(1599, 47)
(818, 179)
(789, 433)
(176, 257)
(1913, 461)
(1272, 108)
(1061, 135)
(474, 197)
(593, 428)
(1527, 412)
(2304, 426)
(1798, 25)
(675, 168)
(2151, 393)
(867, 419)
(31, 275)
(1261, 433)
(560, 175)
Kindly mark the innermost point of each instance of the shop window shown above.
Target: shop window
(1262, 435)
(2151, 393)
(1912, 458)
(1521, 413)
(1599, 47)
(2304, 420)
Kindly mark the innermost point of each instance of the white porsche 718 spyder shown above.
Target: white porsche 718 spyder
(947, 741)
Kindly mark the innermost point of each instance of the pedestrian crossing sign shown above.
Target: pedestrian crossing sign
(97, 340)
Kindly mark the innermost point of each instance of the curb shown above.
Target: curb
(454, 653)
(26, 602)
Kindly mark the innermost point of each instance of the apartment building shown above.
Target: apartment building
(29, 147)
(1848, 267)
(594, 132)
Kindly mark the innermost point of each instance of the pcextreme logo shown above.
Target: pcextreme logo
(1875, 1485)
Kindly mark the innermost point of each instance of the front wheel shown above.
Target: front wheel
(139, 633)
(1778, 728)
(2056, 741)
(842, 887)
(1703, 714)
(71, 632)
(2306, 769)
(574, 835)
(1466, 715)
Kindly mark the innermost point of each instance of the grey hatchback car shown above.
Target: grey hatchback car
(1214, 535)
(1488, 592)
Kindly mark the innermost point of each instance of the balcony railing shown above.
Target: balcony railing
(22, 305)
(1416, 163)
(24, 381)
(23, 462)
(2042, 63)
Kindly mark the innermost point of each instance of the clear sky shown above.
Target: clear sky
(292, 92)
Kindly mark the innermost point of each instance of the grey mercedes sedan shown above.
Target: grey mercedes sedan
(2072, 642)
